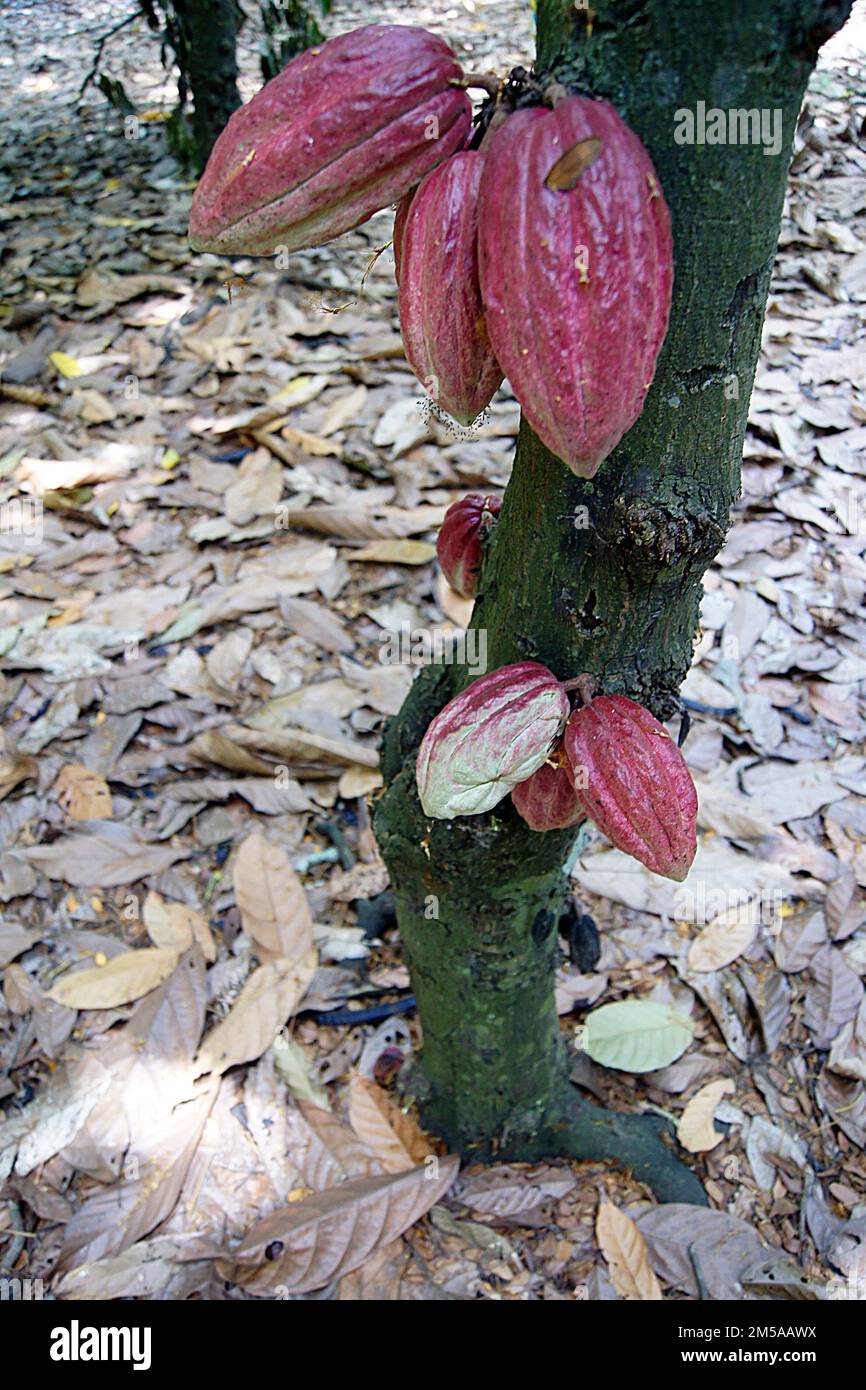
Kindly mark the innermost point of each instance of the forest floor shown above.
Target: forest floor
(228, 490)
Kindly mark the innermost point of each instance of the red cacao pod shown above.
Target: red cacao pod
(344, 130)
(494, 734)
(576, 278)
(633, 781)
(400, 229)
(547, 800)
(441, 315)
(459, 542)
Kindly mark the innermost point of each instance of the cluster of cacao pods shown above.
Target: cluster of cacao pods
(609, 759)
(543, 255)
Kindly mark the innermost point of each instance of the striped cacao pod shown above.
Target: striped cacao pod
(441, 315)
(459, 542)
(547, 800)
(494, 734)
(344, 130)
(632, 780)
(576, 271)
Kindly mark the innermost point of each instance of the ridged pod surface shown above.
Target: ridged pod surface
(633, 781)
(458, 545)
(344, 130)
(576, 282)
(547, 800)
(491, 736)
(441, 315)
(399, 230)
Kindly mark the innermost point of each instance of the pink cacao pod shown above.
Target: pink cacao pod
(441, 314)
(547, 800)
(576, 278)
(491, 736)
(344, 130)
(633, 781)
(459, 542)
(400, 230)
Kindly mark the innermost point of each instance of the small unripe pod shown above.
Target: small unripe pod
(494, 734)
(459, 543)
(547, 800)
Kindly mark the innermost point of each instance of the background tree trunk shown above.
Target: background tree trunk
(601, 576)
(207, 30)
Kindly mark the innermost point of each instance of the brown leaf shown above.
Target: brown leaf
(397, 552)
(321, 1238)
(119, 1214)
(169, 925)
(15, 767)
(313, 622)
(682, 1237)
(625, 1250)
(106, 858)
(214, 746)
(843, 906)
(168, 1023)
(834, 994)
(696, 1130)
(396, 1139)
(272, 902)
(569, 167)
(326, 1151)
(724, 938)
(119, 981)
(269, 997)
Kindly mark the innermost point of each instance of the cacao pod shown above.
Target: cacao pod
(441, 314)
(399, 230)
(547, 800)
(344, 130)
(491, 736)
(458, 545)
(632, 780)
(575, 277)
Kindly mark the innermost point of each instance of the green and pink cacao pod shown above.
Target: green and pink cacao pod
(633, 782)
(547, 800)
(441, 314)
(576, 277)
(494, 734)
(344, 130)
(458, 545)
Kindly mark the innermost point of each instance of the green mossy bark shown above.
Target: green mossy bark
(601, 576)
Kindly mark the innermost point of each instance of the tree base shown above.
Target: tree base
(634, 1142)
(577, 1129)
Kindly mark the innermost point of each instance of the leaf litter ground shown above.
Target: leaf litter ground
(240, 487)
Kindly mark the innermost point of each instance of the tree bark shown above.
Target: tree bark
(208, 33)
(602, 576)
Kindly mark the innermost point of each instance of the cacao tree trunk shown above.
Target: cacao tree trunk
(207, 33)
(600, 576)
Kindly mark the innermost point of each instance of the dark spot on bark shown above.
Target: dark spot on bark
(744, 296)
(542, 926)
